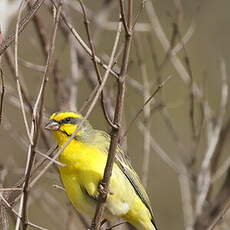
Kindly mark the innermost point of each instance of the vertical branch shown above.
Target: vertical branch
(17, 73)
(115, 134)
(73, 94)
(192, 102)
(99, 78)
(35, 127)
(147, 112)
(4, 219)
(186, 197)
(204, 180)
(82, 43)
(2, 95)
(9, 59)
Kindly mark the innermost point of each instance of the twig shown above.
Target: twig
(142, 5)
(179, 10)
(31, 65)
(161, 152)
(115, 134)
(106, 114)
(219, 217)
(50, 154)
(123, 16)
(10, 189)
(142, 108)
(89, 99)
(17, 73)
(192, 102)
(164, 112)
(146, 111)
(22, 25)
(222, 170)
(2, 95)
(10, 61)
(171, 45)
(186, 198)
(12, 195)
(18, 216)
(224, 135)
(4, 219)
(36, 120)
(74, 76)
(9, 58)
(184, 40)
(155, 23)
(216, 208)
(41, 32)
(50, 158)
(82, 43)
(204, 176)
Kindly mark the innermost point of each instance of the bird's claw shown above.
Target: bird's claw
(104, 190)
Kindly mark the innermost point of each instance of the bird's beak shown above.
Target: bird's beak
(52, 125)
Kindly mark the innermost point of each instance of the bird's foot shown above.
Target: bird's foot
(104, 190)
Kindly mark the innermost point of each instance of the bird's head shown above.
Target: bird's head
(64, 124)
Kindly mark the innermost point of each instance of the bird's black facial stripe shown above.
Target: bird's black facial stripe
(70, 120)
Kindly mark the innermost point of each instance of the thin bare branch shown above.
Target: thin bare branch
(39, 26)
(99, 78)
(222, 170)
(36, 121)
(10, 189)
(17, 73)
(204, 180)
(186, 197)
(22, 25)
(81, 41)
(156, 26)
(123, 16)
(115, 135)
(18, 216)
(216, 208)
(50, 158)
(161, 152)
(74, 76)
(146, 111)
(2, 95)
(142, 5)
(142, 108)
(186, 37)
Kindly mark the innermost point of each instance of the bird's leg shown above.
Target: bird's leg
(103, 190)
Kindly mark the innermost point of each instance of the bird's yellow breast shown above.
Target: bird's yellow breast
(84, 165)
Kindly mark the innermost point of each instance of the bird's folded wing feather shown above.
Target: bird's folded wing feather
(124, 164)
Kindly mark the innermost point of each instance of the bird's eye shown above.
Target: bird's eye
(67, 119)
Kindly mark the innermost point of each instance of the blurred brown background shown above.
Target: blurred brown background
(207, 47)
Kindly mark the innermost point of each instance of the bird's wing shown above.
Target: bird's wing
(103, 140)
(131, 175)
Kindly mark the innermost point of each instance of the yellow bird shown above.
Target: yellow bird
(85, 159)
